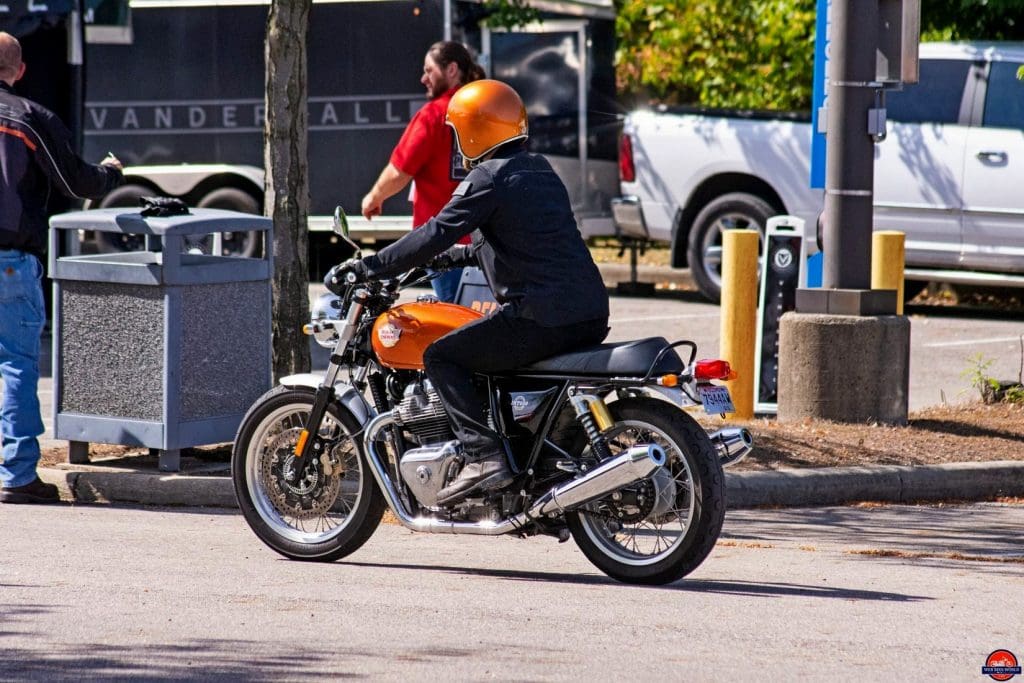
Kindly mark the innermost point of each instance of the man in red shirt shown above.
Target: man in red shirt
(427, 154)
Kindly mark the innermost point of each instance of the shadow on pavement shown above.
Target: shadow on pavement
(691, 585)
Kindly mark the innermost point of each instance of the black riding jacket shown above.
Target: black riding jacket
(35, 150)
(524, 236)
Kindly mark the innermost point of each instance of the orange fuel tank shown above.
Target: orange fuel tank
(401, 335)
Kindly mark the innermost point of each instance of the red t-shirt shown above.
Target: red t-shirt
(428, 153)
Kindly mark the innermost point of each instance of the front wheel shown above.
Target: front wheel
(661, 529)
(333, 509)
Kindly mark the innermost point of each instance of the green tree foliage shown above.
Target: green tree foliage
(759, 54)
(509, 13)
(972, 19)
(732, 53)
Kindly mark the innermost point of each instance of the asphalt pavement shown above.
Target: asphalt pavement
(852, 593)
(206, 482)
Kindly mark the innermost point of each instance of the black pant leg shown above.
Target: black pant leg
(496, 343)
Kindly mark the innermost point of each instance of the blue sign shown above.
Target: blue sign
(819, 95)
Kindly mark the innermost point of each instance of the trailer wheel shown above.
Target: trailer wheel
(734, 211)
(245, 244)
(127, 196)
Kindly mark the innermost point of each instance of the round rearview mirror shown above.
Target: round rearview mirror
(340, 222)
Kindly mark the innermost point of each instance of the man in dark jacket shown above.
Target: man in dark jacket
(35, 154)
(524, 237)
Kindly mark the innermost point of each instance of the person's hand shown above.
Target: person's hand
(441, 263)
(111, 160)
(371, 206)
(346, 273)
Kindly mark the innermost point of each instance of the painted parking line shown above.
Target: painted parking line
(682, 316)
(973, 342)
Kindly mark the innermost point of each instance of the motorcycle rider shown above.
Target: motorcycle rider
(525, 239)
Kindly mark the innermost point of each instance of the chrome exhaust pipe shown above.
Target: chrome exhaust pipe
(732, 445)
(636, 463)
(639, 462)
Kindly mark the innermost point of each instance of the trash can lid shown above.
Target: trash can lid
(130, 221)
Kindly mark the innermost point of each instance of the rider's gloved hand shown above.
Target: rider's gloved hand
(441, 263)
(348, 272)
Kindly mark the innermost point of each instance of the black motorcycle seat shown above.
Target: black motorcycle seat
(631, 358)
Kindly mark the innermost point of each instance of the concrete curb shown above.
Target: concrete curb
(785, 488)
(885, 483)
(142, 488)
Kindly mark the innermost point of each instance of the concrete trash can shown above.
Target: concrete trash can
(158, 348)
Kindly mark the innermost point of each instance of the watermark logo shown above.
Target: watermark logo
(1001, 665)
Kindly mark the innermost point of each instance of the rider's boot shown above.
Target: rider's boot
(488, 472)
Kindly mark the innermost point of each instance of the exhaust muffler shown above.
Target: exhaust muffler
(639, 462)
(732, 445)
(634, 464)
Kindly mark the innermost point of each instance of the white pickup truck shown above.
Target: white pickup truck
(949, 173)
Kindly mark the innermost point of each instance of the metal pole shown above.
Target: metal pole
(849, 168)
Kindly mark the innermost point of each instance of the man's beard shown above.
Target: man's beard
(439, 89)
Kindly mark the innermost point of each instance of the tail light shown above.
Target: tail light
(627, 172)
(707, 369)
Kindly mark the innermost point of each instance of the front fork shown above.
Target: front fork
(310, 444)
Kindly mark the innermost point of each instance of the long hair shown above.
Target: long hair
(445, 52)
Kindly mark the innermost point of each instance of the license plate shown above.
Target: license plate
(716, 399)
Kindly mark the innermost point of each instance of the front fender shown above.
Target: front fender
(345, 393)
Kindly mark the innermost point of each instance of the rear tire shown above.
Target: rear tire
(670, 538)
(241, 244)
(324, 516)
(734, 211)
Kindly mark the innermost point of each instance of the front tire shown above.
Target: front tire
(734, 211)
(328, 514)
(635, 540)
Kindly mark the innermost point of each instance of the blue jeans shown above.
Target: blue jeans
(447, 284)
(21, 322)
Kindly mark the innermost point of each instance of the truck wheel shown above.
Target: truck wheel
(911, 288)
(127, 196)
(245, 244)
(734, 211)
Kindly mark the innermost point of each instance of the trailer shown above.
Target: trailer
(175, 89)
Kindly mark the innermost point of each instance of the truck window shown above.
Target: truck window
(1004, 99)
(935, 99)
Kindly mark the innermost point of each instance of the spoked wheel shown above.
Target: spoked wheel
(662, 528)
(328, 513)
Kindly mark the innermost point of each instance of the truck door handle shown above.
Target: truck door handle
(991, 155)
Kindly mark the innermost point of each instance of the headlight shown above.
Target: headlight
(327, 307)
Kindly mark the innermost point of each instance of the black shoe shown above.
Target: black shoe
(489, 472)
(37, 492)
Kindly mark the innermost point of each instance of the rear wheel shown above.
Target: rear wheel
(246, 244)
(661, 529)
(734, 211)
(327, 514)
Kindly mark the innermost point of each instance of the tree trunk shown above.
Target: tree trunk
(286, 192)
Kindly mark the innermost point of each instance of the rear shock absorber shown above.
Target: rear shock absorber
(596, 420)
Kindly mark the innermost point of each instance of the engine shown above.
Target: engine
(422, 414)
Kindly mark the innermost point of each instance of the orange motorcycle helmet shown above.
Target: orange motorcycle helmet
(486, 114)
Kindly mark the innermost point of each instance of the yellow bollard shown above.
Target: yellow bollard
(739, 315)
(887, 253)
